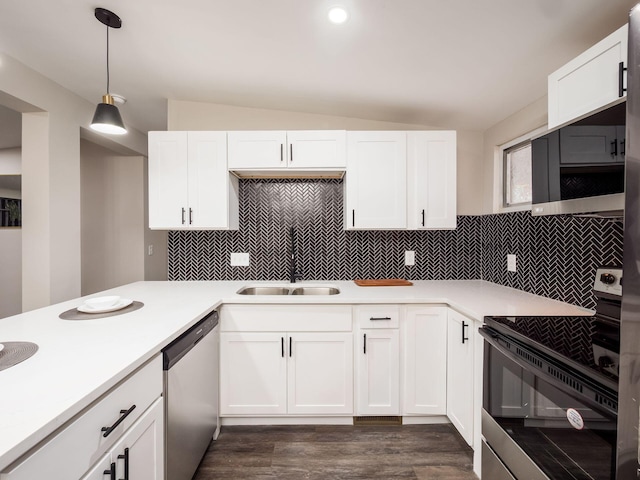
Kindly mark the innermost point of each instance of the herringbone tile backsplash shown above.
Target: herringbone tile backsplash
(557, 256)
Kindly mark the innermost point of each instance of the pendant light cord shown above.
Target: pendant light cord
(107, 59)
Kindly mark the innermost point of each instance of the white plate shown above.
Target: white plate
(1, 347)
(124, 302)
(102, 302)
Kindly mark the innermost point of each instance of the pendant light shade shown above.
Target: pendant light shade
(107, 118)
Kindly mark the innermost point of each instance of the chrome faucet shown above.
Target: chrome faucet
(294, 274)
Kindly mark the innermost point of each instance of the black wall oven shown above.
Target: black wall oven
(550, 396)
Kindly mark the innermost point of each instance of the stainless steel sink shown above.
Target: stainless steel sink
(264, 291)
(273, 290)
(315, 291)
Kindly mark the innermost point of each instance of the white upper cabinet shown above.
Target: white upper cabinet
(376, 181)
(431, 180)
(295, 150)
(590, 81)
(168, 179)
(317, 149)
(189, 184)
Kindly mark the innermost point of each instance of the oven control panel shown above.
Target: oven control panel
(608, 280)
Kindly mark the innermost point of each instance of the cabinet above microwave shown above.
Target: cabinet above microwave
(580, 167)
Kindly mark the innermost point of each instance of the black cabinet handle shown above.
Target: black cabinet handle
(614, 148)
(291, 152)
(281, 152)
(621, 71)
(183, 212)
(623, 147)
(353, 218)
(290, 338)
(365, 343)
(190, 216)
(111, 472)
(282, 345)
(423, 217)
(125, 457)
(464, 325)
(373, 319)
(123, 414)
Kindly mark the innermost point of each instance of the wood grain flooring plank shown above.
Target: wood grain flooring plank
(341, 452)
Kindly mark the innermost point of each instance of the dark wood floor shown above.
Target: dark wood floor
(431, 452)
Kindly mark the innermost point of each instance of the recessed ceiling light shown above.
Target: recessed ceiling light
(338, 15)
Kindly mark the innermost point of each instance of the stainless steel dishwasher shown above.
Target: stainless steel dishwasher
(191, 397)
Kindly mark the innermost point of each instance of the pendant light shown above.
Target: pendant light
(107, 118)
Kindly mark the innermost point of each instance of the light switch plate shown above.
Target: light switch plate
(409, 258)
(511, 263)
(239, 259)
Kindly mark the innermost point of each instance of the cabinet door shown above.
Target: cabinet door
(253, 374)
(209, 182)
(142, 447)
(376, 180)
(317, 149)
(589, 81)
(257, 150)
(320, 373)
(378, 372)
(139, 454)
(168, 180)
(589, 144)
(431, 175)
(460, 340)
(425, 361)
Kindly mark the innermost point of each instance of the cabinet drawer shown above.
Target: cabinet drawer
(286, 318)
(378, 316)
(71, 452)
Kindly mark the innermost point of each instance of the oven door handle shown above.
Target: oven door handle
(494, 340)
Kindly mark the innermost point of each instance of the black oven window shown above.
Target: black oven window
(534, 414)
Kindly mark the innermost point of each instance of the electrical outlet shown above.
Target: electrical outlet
(511, 263)
(239, 259)
(409, 258)
(150, 250)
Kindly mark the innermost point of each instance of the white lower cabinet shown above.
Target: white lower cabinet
(286, 373)
(253, 373)
(378, 372)
(138, 455)
(425, 360)
(460, 373)
(129, 416)
(320, 373)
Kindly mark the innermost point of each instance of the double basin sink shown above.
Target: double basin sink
(291, 290)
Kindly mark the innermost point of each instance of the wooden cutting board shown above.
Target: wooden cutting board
(384, 282)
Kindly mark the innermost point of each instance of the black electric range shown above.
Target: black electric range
(590, 344)
(550, 388)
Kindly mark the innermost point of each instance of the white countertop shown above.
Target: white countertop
(79, 360)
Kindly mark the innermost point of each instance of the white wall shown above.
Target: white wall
(10, 272)
(184, 115)
(51, 124)
(112, 213)
(520, 123)
(11, 161)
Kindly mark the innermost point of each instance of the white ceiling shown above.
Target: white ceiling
(463, 64)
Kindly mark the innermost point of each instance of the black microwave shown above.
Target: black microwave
(579, 168)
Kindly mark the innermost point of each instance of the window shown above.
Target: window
(517, 174)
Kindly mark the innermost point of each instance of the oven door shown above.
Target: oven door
(542, 419)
